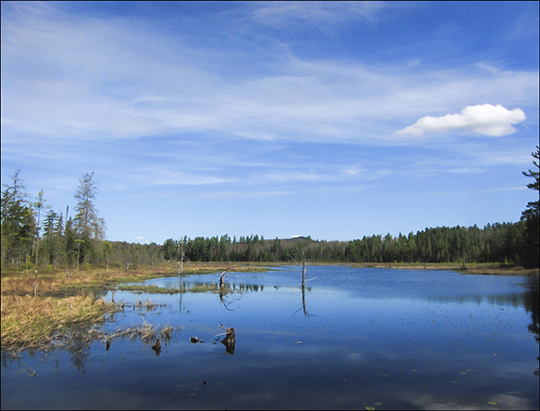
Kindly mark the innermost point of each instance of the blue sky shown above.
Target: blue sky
(335, 120)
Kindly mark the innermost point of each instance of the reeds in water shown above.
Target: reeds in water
(33, 321)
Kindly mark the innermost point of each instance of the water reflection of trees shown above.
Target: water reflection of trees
(531, 304)
(226, 287)
(529, 299)
(515, 300)
(76, 343)
(78, 347)
(303, 308)
(227, 298)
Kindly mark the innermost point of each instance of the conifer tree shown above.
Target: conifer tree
(17, 222)
(531, 216)
(88, 227)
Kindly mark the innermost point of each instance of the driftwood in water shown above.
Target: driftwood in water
(229, 341)
(222, 279)
(157, 346)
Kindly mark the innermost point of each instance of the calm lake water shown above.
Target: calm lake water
(357, 338)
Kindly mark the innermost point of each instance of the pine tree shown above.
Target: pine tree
(89, 228)
(531, 216)
(17, 222)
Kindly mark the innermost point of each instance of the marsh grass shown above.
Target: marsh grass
(150, 289)
(31, 322)
(146, 332)
(205, 288)
(65, 298)
(65, 282)
(154, 289)
(38, 323)
(471, 268)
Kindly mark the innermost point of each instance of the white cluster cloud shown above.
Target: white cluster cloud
(484, 119)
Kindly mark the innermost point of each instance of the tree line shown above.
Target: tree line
(515, 243)
(34, 234)
(501, 243)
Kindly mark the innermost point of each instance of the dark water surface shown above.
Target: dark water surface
(375, 338)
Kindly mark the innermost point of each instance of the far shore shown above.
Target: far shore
(473, 268)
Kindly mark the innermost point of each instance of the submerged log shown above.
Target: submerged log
(157, 346)
(229, 341)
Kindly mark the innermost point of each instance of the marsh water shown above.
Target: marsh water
(361, 338)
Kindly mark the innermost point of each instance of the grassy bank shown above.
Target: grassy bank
(32, 322)
(473, 268)
(154, 289)
(64, 298)
(65, 282)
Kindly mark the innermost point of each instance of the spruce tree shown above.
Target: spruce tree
(531, 217)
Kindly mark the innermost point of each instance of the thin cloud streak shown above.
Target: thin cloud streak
(104, 90)
(283, 14)
(475, 192)
(160, 177)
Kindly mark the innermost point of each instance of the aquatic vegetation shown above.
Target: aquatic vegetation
(35, 321)
(150, 289)
(146, 332)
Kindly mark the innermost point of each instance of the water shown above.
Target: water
(357, 338)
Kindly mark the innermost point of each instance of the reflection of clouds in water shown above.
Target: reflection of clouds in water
(503, 402)
(512, 370)
(257, 396)
(355, 357)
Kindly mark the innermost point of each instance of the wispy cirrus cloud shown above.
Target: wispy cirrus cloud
(101, 79)
(163, 176)
(484, 119)
(285, 13)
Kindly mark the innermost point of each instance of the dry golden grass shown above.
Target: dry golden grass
(472, 268)
(59, 283)
(34, 321)
(64, 298)
(146, 332)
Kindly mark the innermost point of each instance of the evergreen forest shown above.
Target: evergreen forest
(34, 235)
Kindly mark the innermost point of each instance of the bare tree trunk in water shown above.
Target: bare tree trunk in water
(304, 275)
(182, 257)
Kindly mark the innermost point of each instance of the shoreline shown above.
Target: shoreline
(63, 299)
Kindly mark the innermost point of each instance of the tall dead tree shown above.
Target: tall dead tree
(304, 275)
(35, 283)
(304, 261)
(181, 257)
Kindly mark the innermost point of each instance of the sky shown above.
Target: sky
(336, 120)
